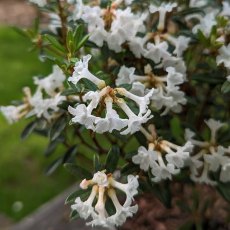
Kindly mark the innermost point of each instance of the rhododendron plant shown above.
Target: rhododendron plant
(139, 88)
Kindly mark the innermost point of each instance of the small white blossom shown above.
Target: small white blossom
(44, 107)
(214, 127)
(224, 56)
(100, 178)
(197, 3)
(210, 157)
(52, 82)
(13, 113)
(157, 52)
(144, 158)
(206, 24)
(81, 71)
(180, 43)
(226, 9)
(162, 9)
(134, 121)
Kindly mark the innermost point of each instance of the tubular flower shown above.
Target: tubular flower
(210, 157)
(104, 99)
(162, 9)
(163, 158)
(103, 188)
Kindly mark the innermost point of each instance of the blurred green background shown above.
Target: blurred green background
(23, 183)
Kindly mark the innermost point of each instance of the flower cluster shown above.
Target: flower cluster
(104, 187)
(44, 103)
(167, 92)
(105, 97)
(209, 156)
(163, 158)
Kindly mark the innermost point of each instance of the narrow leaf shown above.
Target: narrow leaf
(112, 159)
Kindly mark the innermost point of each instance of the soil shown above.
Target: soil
(188, 207)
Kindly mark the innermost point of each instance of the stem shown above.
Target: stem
(63, 19)
(84, 142)
(148, 136)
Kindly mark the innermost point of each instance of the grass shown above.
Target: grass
(22, 163)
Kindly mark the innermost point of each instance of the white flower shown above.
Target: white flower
(162, 9)
(206, 24)
(197, 3)
(100, 178)
(136, 46)
(13, 113)
(175, 62)
(54, 22)
(162, 171)
(156, 52)
(179, 155)
(85, 209)
(122, 212)
(130, 189)
(226, 9)
(81, 71)
(44, 107)
(134, 121)
(112, 121)
(180, 43)
(142, 102)
(52, 82)
(78, 9)
(216, 158)
(210, 157)
(144, 158)
(203, 178)
(128, 2)
(214, 127)
(40, 3)
(125, 75)
(173, 78)
(224, 56)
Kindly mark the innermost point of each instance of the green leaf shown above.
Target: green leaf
(141, 138)
(192, 10)
(28, 129)
(225, 88)
(224, 190)
(89, 85)
(53, 166)
(74, 215)
(78, 34)
(57, 128)
(96, 163)
(78, 171)
(129, 168)
(176, 129)
(112, 159)
(71, 152)
(83, 41)
(82, 193)
(51, 147)
(54, 42)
